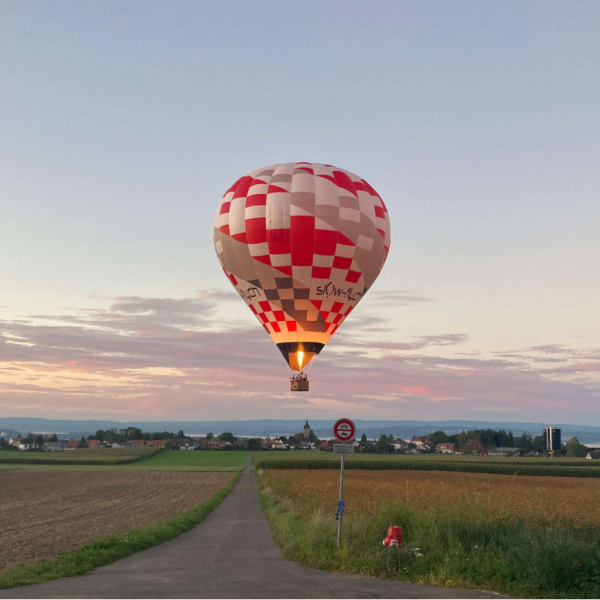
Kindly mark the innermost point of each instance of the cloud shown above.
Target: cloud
(179, 358)
(398, 298)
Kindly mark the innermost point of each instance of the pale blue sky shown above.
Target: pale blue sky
(122, 123)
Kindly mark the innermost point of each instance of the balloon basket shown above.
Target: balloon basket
(299, 386)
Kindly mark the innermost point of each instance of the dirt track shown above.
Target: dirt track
(47, 513)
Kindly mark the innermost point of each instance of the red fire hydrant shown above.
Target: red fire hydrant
(394, 537)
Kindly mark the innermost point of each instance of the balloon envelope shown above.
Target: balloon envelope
(301, 243)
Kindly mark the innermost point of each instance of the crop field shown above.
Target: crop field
(46, 513)
(500, 466)
(80, 456)
(524, 536)
(451, 458)
(315, 493)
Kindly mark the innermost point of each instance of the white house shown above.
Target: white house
(25, 447)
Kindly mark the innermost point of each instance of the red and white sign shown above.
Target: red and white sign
(344, 430)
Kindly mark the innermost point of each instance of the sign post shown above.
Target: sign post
(344, 430)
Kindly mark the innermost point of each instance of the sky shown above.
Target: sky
(122, 124)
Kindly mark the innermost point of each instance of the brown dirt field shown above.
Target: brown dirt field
(47, 513)
(315, 492)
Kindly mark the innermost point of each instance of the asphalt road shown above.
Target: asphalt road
(231, 554)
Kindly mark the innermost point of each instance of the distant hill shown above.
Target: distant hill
(265, 427)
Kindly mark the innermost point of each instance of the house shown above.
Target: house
(137, 443)
(156, 443)
(400, 445)
(214, 445)
(54, 447)
(24, 446)
(593, 455)
(14, 441)
(445, 448)
(422, 442)
(472, 447)
(94, 443)
(275, 444)
(327, 446)
(72, 444)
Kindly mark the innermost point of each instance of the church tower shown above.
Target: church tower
(306, 431)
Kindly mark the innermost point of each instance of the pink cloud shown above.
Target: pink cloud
(162, 357)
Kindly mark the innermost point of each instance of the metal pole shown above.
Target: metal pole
(339, 536)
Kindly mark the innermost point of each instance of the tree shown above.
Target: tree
(311, 435)
(254, 444)
(227, 436)
(381, 446)
(438, 437)
(39, 440)
(167, 445)
(363, 438)
(180, 434)
(83, 442)
(209, 436)
(575, 449)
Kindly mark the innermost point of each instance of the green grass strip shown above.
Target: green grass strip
(103, 552)
(421, 465)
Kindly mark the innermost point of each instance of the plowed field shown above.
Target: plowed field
(44, 514)
(313, 493)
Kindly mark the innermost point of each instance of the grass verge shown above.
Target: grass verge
(103, 552)
(543, 559)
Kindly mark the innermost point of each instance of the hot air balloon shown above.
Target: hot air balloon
(301, 243)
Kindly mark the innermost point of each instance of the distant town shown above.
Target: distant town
(476, 442)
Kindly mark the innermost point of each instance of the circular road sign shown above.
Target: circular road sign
(344, 430)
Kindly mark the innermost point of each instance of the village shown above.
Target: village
(548, 444)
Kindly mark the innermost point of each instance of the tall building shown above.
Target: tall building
(306, 430)
(551, 438)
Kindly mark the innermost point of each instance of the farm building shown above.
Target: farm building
(504, 451)
(94, 443)
(72, 444)
(445, 448)
(156, 443)
(593, 455)
(137, 443)
(14, 441)
(472, 447)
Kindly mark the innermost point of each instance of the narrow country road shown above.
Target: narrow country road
(231, 554)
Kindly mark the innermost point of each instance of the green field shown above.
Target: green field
(549, 467)
(318, 455)
(82, 456)
(196, 460)
(165, 460)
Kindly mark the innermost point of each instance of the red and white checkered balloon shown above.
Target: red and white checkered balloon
(301, 243)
